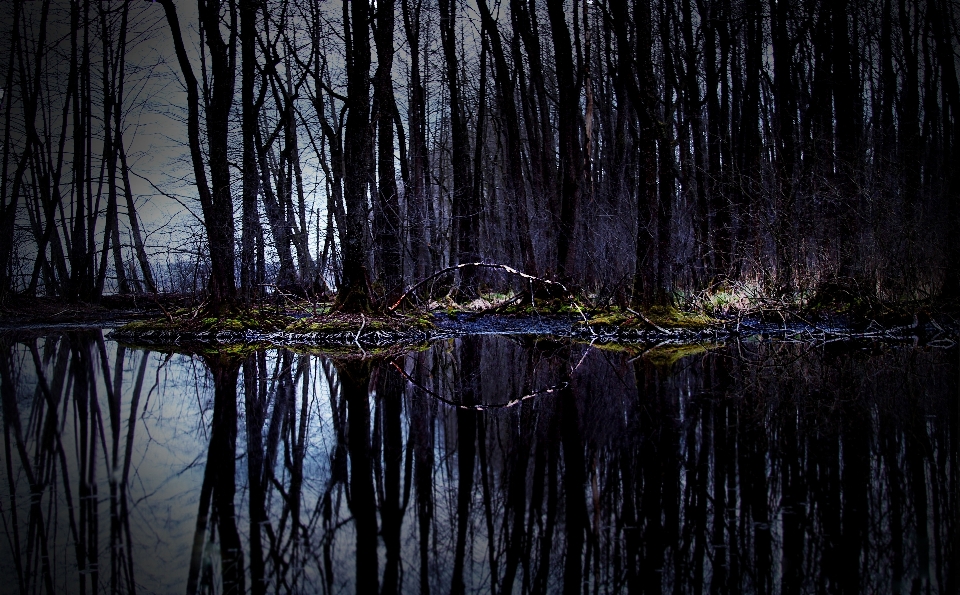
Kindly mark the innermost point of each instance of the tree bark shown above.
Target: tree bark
(515, 184)
(571, 159)
(353, 294)
(387, 224)
(216, 202)
(415, 184)
(466, 214)
(249, 125)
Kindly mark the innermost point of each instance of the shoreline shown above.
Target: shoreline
(151, 325)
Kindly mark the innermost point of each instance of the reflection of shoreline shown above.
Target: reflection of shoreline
(381, 343)
(750, 465)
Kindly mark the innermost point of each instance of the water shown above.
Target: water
(484, 464)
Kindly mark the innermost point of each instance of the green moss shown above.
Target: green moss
(232, 350)
(321, 325)
(667, 355)
(189, 321)
(664, 356)
(662, 316)
(336, 352)
(143, 325)
(338, 323)
(628, 349)
(610, 317)
(670, 317)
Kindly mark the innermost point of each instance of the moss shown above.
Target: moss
(670, 317)
(662, 316)
(189, 321)
(663, 356)
(628, 349)
(861, 304)
(144, 325)
(338, 323)
(666, 356)
(338, 352)
(230, 350)
(609, 317)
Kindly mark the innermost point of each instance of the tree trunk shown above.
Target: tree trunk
(640, 84)
(785, 99)
(387, 225)
(250, 216)
(571, 159)
(220, 226)
(515, 185)
(216, 203)
(415, 190)
(8, 202)
(466, 214)
(353, 294)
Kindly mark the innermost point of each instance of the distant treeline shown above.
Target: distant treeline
(641, 150)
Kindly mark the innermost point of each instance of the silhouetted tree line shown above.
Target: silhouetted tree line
(758, 467)
(639, 149)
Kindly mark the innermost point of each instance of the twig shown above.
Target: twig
(199, 308)
(650, 322)
(162, 309)
(363, 323)
(647, 350)
(577, 306)
(517, 298)
(290, 298)
(487, 265)
(552, 390)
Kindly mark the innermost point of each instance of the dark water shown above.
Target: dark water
(481, 464)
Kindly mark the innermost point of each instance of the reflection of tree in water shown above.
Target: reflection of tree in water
(756, 467)
(65, 439)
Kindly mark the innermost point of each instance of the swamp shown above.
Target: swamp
(476, 296)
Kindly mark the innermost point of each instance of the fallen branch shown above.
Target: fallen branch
(650, 322)
(485, 265)
(156, 300)
(291, 299)
(357, 338)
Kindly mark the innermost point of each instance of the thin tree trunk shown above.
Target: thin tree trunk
(353, 294)
(515, 184)
(465, 213)
(415, 185)
(216, 203)
(139, 248)
(571, 160)
(250, 220)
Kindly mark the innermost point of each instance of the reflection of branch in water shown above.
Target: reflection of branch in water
(479, 407)
(552, 390)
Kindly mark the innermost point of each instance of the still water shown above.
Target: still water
(486, 464)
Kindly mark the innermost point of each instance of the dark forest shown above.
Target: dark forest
(480, 296)
(644, 152)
